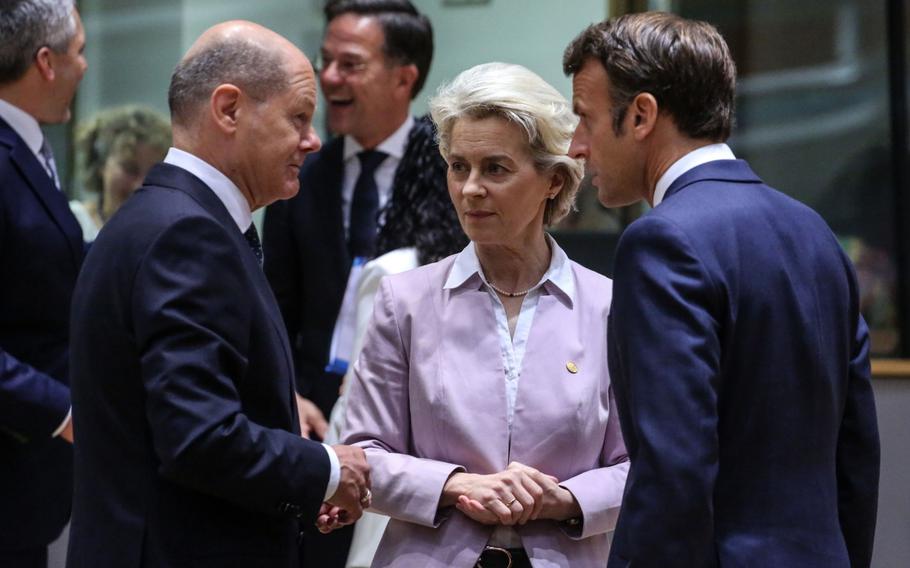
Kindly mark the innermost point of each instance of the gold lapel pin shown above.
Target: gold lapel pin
(572, 367)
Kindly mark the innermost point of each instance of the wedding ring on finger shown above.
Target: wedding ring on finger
(366, 498)
(512, 502)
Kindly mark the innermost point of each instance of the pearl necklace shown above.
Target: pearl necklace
(510, 294)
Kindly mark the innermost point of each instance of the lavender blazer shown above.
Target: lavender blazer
(428, 399)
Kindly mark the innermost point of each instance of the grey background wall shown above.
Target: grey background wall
(892, 538)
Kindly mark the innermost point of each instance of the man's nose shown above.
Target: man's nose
(578, 149)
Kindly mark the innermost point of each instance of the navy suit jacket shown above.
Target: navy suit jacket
(306, 254)
(740, 363)
(188, 450)
(307, 263)
(40, 254)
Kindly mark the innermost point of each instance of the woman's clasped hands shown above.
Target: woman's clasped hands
(511, 497)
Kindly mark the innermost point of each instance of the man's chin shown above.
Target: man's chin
(291, 189)
(606, 198)
(337, 123)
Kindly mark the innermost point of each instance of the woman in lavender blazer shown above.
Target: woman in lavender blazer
(482, 396)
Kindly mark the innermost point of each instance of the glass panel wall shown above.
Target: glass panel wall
(813, 119)
(814, 122)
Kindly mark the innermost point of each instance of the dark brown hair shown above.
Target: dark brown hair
(685, 64)
(408, 33)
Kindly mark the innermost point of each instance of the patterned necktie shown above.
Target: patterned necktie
(252, 239)
(365, 205)
(49, 164)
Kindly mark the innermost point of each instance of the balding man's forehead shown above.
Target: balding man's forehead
(241, 30)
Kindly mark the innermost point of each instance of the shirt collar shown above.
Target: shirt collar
(394, 145)
(697, 157)
(24, 124)
(558, 276)
(220, 184)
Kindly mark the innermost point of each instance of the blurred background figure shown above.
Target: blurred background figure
(114, 151)
(374, 59)
(421, 227)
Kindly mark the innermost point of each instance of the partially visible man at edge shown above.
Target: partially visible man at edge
(738, 354)
(190, 451)
(41, 250)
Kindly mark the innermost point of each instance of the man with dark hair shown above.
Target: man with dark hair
(189, 449)
(736, 347)
(41, 249)
(375, 57)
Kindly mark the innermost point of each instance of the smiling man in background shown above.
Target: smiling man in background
(375, 58)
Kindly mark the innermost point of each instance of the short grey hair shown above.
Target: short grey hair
(259, 72)
(28, 25)
(520, 96)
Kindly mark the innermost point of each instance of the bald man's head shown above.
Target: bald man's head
(243, 54)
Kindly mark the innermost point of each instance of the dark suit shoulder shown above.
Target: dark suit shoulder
(330, 155)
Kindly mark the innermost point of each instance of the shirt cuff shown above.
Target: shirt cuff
(334, 473)
(65, 423)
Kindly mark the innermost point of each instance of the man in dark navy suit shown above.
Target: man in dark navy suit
(41, 250)
(189, 450)
(736, 347)
(375, 57)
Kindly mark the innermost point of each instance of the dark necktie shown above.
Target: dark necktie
(365, 205)
(50, 165)
(252, 239)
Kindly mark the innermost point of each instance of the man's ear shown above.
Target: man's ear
(407, 76)
(643, 112)
(45, 64)
(224, 105)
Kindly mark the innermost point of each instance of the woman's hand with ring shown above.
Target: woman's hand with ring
(510, 497)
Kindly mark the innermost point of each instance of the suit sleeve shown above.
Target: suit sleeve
(281, 263)
(666, 349)
(32, 404)
(192, 317)
(378, 420)
(599, 491)
(858, 455)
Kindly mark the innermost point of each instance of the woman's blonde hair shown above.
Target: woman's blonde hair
(520, 96)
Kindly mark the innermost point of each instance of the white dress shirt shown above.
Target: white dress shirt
(697, 157)
(394, 146)
(560, 278)
(28, 129)
(239, 209)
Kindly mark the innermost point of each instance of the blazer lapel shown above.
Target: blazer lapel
(472, 370)
(548, 390)
(53, 200)
(167, 175)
